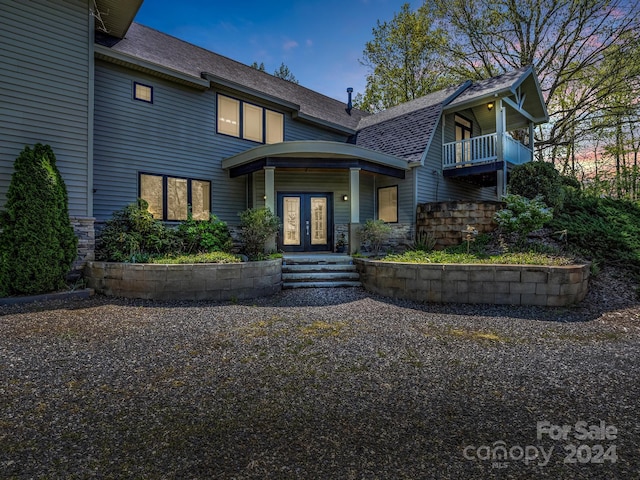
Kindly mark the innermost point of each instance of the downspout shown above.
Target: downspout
(90, 112)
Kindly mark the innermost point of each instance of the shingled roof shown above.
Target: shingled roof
(159, 48)
(406, 130)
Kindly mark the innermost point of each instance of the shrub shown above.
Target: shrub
(132, 235)
(201, 236)
(374, 233)
(537, 179)
(4, 275)
(37, 240)
(522, 216)
(424, 242)
(605, 230)
(257, 225)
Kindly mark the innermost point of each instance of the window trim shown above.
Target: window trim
(397, 203)
(165, 191)
(135, 96)
(241, 119)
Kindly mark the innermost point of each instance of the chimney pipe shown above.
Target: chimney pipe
(349, 104)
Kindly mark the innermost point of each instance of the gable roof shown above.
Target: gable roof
(406, 130)
(170, 52)
(505, 85)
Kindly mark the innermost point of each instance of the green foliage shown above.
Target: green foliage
(404, 58)
(4, 275)
(522, 216)
(537, 179)
(208, 257)
(133, 235)
(455, 256)
(374, 233)
(37, 242)
(602, 229)
(424, 242)
(257, 226)
(204, 236)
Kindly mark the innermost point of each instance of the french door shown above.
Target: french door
(307, 223)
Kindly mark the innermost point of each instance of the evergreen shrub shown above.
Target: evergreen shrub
(37, 239)
(257, 226)
(537, 179)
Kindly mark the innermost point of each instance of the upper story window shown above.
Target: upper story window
(142, 92)
(248, 121)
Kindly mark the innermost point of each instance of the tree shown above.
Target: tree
(406, 59)
(258, 67)
(569, 42)
(284, 73)
(37, 242)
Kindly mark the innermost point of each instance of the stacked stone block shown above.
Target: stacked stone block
(446, 221)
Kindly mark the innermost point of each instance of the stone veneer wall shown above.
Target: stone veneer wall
(200, 281)
(491, 284)
(85, 231)
(445, 221)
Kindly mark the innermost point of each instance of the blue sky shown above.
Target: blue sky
(320, 41)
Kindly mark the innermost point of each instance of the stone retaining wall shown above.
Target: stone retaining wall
(201, 281)
(445, 221)
(492, 284)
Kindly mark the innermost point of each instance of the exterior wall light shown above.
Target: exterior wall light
(345, 198)
(490, 106)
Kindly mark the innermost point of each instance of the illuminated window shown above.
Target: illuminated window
(141, 92)
(275, 127)
(256, 123)
(169, 197)
(388, 204)
(228, 116)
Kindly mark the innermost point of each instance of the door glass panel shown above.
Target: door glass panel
(291, 221)
(318, 221)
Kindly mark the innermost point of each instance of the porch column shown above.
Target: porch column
(354, 217)
(270, 188)
(500, 129)
(270, 201)
(532, 134)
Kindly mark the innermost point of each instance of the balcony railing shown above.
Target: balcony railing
(483, 149)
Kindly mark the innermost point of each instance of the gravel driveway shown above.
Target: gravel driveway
(318, 384)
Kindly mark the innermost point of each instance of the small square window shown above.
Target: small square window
(141, 92)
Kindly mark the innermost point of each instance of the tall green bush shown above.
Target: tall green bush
(203, 236)
(522, 216)
(257, 225)
(37, 239)
(537, 179)
(132, 235)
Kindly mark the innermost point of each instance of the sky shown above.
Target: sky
(321, 41)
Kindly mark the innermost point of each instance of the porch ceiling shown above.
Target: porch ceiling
(114, 17)
(315, 154)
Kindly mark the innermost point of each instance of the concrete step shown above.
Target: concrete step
(319, 271)
(320, 276)
(287, 285)
(318, 268)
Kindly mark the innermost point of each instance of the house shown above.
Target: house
(132, 112)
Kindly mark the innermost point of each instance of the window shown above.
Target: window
(141, 92)
(463, 132)
(275, 127)
(169, 197)
(388, 204)
(249, 122)
(228, 116)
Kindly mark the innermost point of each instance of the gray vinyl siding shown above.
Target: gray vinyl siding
(45, 89)
(175, 135)
(432, 186)
(406, 206)
(297, 130)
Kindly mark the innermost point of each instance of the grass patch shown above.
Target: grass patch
(211, 257)
(477, 335)
(510, 258)
(322, 329)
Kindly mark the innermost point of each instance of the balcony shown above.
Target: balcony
(483, 151)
